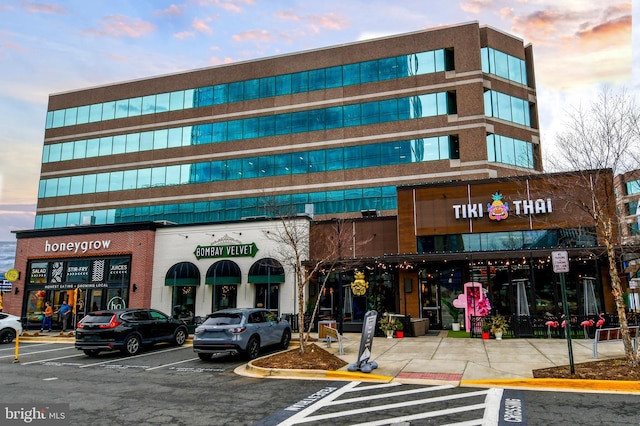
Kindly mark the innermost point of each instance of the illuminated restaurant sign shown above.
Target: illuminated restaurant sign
(499, 210)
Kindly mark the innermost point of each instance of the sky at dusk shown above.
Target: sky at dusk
(52, 47)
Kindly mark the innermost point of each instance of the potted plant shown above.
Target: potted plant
(454, 312)
(486, 327)
(399, 329)
(499, 325)
(389, 324)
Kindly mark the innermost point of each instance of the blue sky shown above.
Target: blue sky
(52, 47)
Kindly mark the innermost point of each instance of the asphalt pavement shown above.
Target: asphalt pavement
(437, 359)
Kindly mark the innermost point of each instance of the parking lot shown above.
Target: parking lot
(162, 385)
(163, 358)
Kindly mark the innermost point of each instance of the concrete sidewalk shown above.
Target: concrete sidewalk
(437, 359)
(474, 362)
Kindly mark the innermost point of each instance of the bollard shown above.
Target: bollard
(17, 348)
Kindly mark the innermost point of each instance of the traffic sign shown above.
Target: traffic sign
(560, 261)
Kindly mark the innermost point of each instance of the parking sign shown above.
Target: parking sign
(560, 260)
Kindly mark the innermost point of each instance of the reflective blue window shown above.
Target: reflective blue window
(119, 144)
(251, 89)
(299, 122)
(506, 107)
(83, 115)
(503, 65)
(70, 116)
(318, 79)
(162, 102)
(149, 104)
(503, 149)
(633, 187)
(122, 108)
(95, 113)
(108, 110)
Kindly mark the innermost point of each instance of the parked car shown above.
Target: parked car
(10, 327)
(243, 331)
(127, 330)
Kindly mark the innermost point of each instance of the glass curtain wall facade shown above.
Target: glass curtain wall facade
(336, 128)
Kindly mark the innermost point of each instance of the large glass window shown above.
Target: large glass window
(421, 106)
(503, 149)
(503, 65)
(506, 107)
(374, 155)
(304, 81)
(331, 202)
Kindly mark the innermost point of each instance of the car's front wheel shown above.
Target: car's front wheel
(91, 352)
(7, 335)
(180, 337)
(253, 348)
(286, 339)
(132, 345)
(205, 357)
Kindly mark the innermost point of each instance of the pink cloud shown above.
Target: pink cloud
(201, 26)
(214, 60)
(288, 14)
(184, 34)
(228, 5)
(43, 8)
(172, 10)
(331, 21)
(614, 32)
(506, 13)
(121, 26)
(260, 36)
(477, 6)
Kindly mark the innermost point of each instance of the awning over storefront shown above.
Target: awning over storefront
(222, 273)
(183, 274)
(266, 271)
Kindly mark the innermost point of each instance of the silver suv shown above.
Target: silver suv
(245, 331)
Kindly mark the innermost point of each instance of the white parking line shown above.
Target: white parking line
(132, 357)
(37, 352)
(173, 363)
(42, 361)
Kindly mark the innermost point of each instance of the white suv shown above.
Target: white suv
(10, 327)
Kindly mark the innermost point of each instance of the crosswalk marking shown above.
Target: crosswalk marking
(402, 404)
(423, 415)
(392, 394)
(444, 401)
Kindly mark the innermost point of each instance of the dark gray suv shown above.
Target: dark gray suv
(127, 330)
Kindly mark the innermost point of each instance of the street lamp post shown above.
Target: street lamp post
(340, 317)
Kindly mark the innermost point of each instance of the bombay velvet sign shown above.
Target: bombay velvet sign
(234, 250)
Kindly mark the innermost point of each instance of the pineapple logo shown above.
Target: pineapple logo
(498, 210)
(359, 286)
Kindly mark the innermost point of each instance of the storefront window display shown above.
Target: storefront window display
(84, 284)
(225, 296)
(184, 302)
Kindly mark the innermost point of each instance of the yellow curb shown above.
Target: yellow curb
(349, 375)
(561, 384)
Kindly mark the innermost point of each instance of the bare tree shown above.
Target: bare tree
(292, 240)
(600, 139)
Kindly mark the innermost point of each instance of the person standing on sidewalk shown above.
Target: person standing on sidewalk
(48, 316)
(65, 313)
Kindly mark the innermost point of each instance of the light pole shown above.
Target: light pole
(340, 319)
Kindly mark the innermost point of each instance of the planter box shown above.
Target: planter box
(419, 326)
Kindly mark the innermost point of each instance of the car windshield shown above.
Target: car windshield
(101, 318)
(223, 319)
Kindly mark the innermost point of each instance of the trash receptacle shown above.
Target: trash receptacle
(419, 326)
